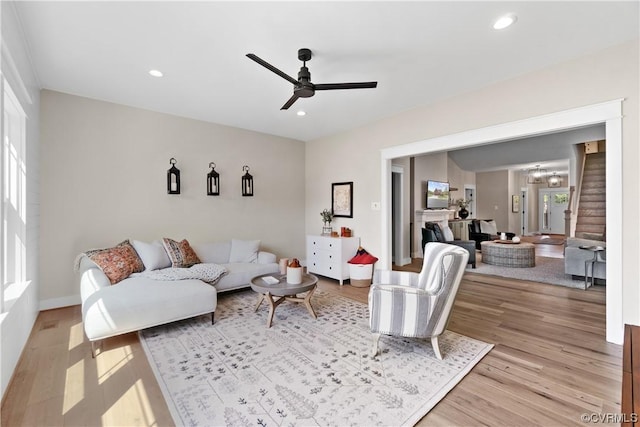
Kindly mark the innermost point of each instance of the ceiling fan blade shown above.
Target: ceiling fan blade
(290, 102)
(270, 67)
(332, 86)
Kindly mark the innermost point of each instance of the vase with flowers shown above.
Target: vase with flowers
(463, 204)
(327, 217)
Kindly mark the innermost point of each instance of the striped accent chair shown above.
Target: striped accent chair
(407, 304)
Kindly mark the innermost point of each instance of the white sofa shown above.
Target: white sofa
(138, 302)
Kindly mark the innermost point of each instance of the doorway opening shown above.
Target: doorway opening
(609, 113)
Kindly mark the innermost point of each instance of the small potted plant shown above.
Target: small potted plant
(327, 217)
(463, 205)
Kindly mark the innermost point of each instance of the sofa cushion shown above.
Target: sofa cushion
(488, 227)
(153, 255)
(181, 253)
(118, 262)
(213, 253)
(244, 250)
(138, 303)
(239, 275)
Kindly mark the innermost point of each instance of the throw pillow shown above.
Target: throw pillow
(152, 254)
(244, 250)
(488, 227)
(437, 231)
(213, 253)
(118, 262)
(180, 253)
(448, 234)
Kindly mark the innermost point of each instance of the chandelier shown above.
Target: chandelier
(536, 175)
(554, 180)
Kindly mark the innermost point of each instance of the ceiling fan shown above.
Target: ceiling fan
(303, 88)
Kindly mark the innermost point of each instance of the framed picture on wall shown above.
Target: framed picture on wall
(342, 199)
(515, 203)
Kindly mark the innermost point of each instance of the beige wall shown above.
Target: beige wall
(103, 180)
(603, 76)
(492, 192)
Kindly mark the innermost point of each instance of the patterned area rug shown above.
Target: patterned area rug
(301, 371)
(547, 270)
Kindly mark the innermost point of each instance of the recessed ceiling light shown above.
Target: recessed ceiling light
(301, 113)
(156, 73)
(505, 21)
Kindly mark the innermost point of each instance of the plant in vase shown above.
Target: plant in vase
(327, 217)
(463, 205)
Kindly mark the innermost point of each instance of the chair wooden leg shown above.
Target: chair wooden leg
(436, 347)
(374, 349)
(212, 317)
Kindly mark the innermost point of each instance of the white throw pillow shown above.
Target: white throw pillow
(213, 253)
(244, 250)
(447, 233)
(152, 254)
(488, 227)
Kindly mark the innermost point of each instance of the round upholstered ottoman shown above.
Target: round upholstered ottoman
(509, 254)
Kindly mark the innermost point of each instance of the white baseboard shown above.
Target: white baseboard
(52, 303)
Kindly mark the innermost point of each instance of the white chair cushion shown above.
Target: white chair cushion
(244, 250)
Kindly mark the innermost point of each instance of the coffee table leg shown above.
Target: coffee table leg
(272, 306)
(307, 302)
(259, 302)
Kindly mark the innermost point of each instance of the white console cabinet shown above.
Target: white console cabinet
(328, 256)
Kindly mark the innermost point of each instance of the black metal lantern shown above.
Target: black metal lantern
(247, 182)
(173, 178)
(213, 181)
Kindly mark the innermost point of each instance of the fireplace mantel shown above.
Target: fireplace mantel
(441, 216)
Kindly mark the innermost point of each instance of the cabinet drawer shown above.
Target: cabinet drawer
(326, 243)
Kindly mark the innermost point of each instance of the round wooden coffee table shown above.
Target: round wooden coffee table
(284, 291)
(506, 254)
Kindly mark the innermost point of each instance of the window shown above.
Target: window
(14, 191)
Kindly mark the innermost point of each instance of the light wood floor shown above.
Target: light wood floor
(550, 364)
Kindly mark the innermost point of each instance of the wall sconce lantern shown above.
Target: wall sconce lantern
(247, 182)
(173, 178)
(213, 181)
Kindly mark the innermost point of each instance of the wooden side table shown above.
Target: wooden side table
(597, 257)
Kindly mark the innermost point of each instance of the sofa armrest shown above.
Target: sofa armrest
(266, 257)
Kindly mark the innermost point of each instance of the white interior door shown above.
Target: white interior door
(552, 204)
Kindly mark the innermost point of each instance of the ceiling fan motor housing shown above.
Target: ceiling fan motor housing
(305, 88)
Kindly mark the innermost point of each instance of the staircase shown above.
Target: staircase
(592, 202)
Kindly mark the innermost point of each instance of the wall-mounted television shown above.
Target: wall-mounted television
(437, 195)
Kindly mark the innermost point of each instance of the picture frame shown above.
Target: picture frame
(515, 203)
(342, 199)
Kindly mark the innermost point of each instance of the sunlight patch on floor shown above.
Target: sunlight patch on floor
(73, 386)
(109, 362)
(76, 336)
(132, 407)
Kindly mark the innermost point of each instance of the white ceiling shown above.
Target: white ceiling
(419, 52)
